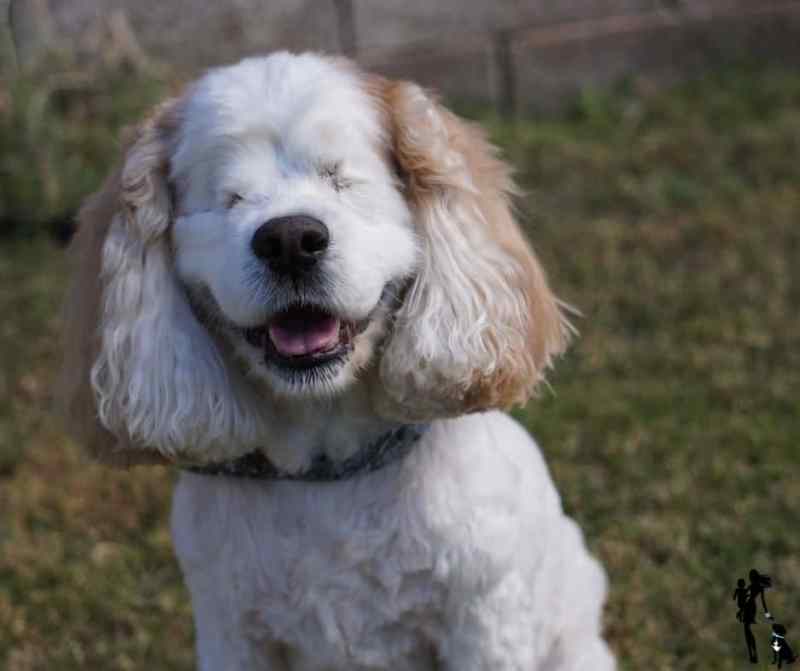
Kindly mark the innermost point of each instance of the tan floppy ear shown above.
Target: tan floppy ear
(134, 204)
(479, 325)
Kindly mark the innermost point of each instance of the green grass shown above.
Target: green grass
(59, 131)
(672, 221)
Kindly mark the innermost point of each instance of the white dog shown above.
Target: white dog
(305, 287)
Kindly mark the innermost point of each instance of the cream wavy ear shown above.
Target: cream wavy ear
(133, 206)
(479, 326)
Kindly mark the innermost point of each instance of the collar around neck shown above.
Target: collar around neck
(385, 449)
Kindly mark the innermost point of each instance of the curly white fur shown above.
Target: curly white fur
(459, 557)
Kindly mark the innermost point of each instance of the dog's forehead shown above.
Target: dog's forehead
(299, 103)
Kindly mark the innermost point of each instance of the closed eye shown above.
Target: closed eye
(233, 199)
(332, 173)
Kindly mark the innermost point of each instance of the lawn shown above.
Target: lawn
(670, 219)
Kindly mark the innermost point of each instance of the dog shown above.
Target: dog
(304, 286)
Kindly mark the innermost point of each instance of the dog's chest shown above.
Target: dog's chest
(309, 577)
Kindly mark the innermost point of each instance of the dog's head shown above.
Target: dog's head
(290, 229)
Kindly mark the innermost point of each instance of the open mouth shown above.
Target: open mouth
(304, 337)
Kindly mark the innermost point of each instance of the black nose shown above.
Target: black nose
(291, 244)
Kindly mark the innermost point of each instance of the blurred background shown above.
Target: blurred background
(658, 146)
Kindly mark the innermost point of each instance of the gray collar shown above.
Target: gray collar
(385, 449)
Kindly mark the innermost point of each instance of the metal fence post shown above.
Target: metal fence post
(345, 19)
(8, 51)
(504, 76)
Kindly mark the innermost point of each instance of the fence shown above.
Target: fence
(509, 53)
(537, 65)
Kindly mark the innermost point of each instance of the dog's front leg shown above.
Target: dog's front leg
(217, 559)
(490, 631)
(229, 641)
(504, 630)
(543, 617)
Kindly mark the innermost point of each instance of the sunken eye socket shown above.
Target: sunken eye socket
(233, 199)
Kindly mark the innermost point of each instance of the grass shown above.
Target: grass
(671, 220)
(59, 129)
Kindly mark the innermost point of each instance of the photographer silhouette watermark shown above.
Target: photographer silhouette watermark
(747, 597)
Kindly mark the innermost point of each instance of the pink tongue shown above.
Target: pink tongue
(295, 338)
